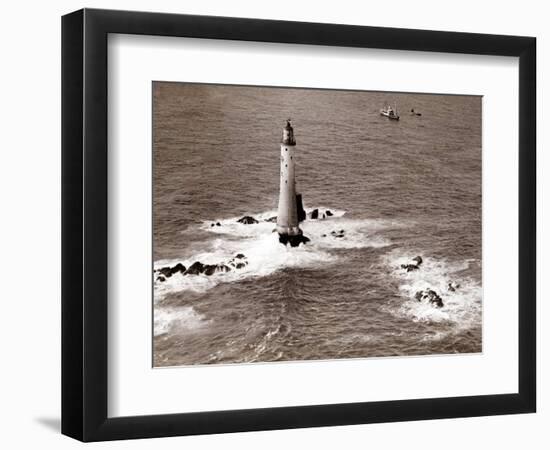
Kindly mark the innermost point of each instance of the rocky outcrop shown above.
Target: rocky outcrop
(452, 286)
(167, 272)
(239, 261)
(320, 214)
(294, 241)
(429, 296)
(415, 265)
(271, 219)
(417, 260)
(195, 269)
(247, 220)
(207, 269)
(211, 269)
(337, 234)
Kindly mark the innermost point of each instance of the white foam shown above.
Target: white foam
(186, 317)
(462, 308)
(265, 255)
(357, 233)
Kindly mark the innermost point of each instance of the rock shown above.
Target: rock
(207, 269)
(218, 224)
(452, 286)
(410, 267)
(210, 269)
(323, 235)
(161, 278)
(300, 207)
(198, 268)
(195, 269)
(166, 271)
(179, 267)
(238, 262)
(429, 296)
(338, 234)
(294, 241)
(316, 214)
(271, 219)
(435, 299)
(247, 220)
(417, 260)
(212, 224)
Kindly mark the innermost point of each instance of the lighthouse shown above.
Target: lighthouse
(290, 211)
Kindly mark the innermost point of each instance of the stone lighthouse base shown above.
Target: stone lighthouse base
(294, 240)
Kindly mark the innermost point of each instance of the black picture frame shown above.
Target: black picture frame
(84, 224)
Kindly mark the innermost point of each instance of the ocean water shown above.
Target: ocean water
(398, 189)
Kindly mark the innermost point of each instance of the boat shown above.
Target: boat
(389, 112)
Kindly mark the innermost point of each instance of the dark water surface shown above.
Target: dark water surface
(398, 189)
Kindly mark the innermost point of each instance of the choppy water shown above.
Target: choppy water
(398, 189)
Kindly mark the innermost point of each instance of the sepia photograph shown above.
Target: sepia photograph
(300, 224)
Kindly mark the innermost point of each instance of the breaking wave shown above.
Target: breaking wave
(462, 307)
(166, 319)
(264, 254)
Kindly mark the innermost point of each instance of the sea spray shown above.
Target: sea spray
(462, 307)
(264, 253)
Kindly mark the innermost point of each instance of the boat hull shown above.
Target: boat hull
(385, 114)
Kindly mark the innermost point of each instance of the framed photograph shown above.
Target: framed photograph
(273, 224)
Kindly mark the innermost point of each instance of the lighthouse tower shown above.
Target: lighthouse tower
(287, 213)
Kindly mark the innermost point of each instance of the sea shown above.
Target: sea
(397, 189)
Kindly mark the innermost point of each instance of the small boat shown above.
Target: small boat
(389, 112)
